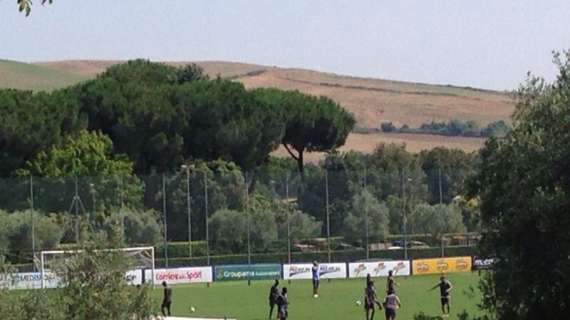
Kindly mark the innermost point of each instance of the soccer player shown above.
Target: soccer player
(282, 305)
(445, 288)
(166, 299)
(273, 294)
(315, 270)
(391, 283)
(391, 304)
(370, 299)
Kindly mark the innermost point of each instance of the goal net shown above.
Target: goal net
(138, 260)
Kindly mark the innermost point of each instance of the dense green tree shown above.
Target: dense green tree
(523, 182)
(228, 122)
(366, 213)
(104, 179)
(446, 171)
(226, 190)
(312, 124)
(435, 220)
(392, 170)
(32, 122)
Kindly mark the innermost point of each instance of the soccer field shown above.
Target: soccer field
(336, 300)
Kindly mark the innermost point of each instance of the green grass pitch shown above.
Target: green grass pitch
(337, 299)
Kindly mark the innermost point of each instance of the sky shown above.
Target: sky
(488, 44)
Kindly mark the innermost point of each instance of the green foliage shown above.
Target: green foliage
(523, 182)
(366, 213)
(140, 227)
(30, 123)
(26, 5)
(448, 167)
(435, 220)
(388, 127)
(454, 127)
(88, 154)
(311, 123)
(94, 287)
(16, 233)
(301, 225)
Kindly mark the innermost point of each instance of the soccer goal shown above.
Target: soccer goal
(139, 260)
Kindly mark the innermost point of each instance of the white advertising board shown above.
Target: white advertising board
(181, 275)
(378, 268)
(304, 271)
(28, 280)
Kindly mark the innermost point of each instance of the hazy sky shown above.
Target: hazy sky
(481, 43)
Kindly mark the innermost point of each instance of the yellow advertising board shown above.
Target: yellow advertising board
(441, 265)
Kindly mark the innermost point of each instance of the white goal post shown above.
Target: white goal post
(142, 258)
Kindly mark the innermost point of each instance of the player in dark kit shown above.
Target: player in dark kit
(273, 294)
(391, 304)
(166, 300)
(282, 305)
(391, 284)
(444, 289)
(370, 299)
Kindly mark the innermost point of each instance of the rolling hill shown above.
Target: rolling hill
(372, 101)
(26, 76)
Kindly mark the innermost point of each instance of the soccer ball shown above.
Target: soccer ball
(192, 309)
(315, 296)
(358, 303)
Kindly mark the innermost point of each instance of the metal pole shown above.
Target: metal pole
(328, 215)
(165, 220)
(76, 211)
(366, 220)
(288, 218)
(405, 216)
(122, 213)
(440, 188)
(33, 220)
(189, 207)
(206, 214)
(248, 219)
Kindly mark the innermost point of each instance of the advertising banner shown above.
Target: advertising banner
(304, 271)
(378, 269)
(442, 265)
(28, 280)
(482, 264)
(181, 275)
(248, 272)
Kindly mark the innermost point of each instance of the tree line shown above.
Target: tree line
(453, 127)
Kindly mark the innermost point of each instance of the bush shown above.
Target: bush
(387, 127)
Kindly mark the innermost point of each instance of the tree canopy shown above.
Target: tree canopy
(312, 124)
(524, 185)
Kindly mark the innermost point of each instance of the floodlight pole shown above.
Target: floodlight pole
(288, 218)
(248, 217)
(366, 221)
(440, 187)
(404, 215)
(165, 219)
(328, 215)
(206, 214)
(33, 220)
(189, 209)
